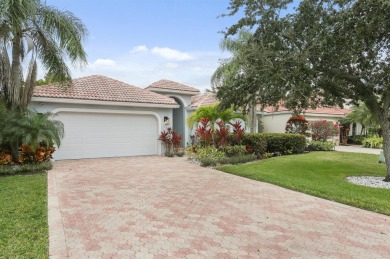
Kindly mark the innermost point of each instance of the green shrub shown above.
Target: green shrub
(238, 159)
(267, 155)
(373, 142)
(284, 143)
(255, 143)
(318, 145)
(179, 154)
(208, 156)
(206, 161)
(234, 150)
(209, 152)
(26, 168)
(357, 139)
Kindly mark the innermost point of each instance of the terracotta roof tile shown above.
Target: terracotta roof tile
(171, 85)
(203, 100)
(102, 88)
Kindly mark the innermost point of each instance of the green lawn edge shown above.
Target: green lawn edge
(322, 174)
(23, 216)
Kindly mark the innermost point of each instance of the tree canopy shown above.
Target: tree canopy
(31, 31)
(325, 52)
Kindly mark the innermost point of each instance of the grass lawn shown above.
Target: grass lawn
(23, 216)
(322, 174)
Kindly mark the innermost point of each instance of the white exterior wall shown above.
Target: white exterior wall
(159, 113)
(275, 123)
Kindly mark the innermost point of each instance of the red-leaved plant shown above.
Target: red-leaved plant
(323, 129)
(297, 124)
(204, 132)
(176, 141)
(238, 131)
(171, 140)
(222, 133)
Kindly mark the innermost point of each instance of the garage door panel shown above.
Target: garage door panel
(93, 135)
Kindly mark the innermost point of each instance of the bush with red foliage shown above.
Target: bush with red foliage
(297, 124)
(323, 130)
(171, 141)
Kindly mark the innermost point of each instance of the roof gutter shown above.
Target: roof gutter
(105, 103)
(162, 90)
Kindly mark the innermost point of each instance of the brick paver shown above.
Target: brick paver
(145, 207)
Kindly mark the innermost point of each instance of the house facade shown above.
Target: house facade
(104, 117)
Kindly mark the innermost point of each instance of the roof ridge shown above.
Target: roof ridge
(102, 88)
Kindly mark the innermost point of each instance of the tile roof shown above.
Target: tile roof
(203, 100)
(319, 110)
(210, 99)
(171, 85)
(101, 88)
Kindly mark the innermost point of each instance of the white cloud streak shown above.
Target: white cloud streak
(171, 54)
(104, 62)
(139, 49)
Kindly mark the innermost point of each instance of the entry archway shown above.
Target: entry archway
(178, 119)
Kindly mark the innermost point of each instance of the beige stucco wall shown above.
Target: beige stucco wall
(276, 123)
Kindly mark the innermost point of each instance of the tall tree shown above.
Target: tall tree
(320, 53)
(233, 67)
(31, 31)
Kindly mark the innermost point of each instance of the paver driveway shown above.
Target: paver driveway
(167, 207)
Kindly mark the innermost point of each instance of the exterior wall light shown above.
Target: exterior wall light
(166, 121)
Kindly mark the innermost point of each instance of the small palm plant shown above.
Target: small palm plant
(30, 127)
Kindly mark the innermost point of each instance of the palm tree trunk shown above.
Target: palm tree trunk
(16, 74)
(14, 148)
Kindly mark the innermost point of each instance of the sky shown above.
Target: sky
(142, 41)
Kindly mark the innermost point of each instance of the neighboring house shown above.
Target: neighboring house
(104, 117)
(274, 120)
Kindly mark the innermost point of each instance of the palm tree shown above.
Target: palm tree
(213, 113)
(31, 31)
(30, 128)
(361, 114)
(231, 68)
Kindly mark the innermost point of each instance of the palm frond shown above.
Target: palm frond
(67, 29)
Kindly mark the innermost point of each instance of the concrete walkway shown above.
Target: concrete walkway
(145, 207)
(358, 149)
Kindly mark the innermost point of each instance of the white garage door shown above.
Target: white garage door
(94, 135)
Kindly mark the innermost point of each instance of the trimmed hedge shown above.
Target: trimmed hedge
(26, 168)
(318, 145)
(284, 143)
(255, 143)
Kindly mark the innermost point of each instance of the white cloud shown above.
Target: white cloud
(142, 70)
(104, 62)
(171, 65)
(138, 49)
(172, 54)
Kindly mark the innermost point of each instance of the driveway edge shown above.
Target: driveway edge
(57, 241)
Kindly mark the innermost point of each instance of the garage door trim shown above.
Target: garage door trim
(106, 111)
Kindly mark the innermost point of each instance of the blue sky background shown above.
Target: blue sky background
(142, 41)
